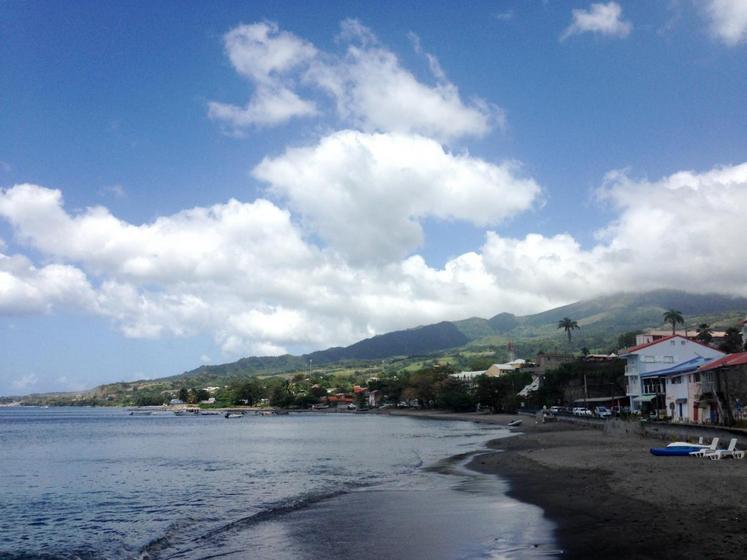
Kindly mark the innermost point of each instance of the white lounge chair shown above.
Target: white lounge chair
(722, 453)
(705, 450)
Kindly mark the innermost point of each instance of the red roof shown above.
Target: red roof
(730, 360)
(635, 349)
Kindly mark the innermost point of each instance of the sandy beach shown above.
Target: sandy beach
(610, 498)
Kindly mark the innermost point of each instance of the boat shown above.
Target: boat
(233, 415)
(514, 423)
(141, 412)
(209, 413)
(686, 444)
(674, 451)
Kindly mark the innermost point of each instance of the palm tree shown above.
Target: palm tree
(568, 324)
(675, 317)
(705, 333)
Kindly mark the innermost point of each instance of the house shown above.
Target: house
(375, 397)
(654, 335)
(648, 366)
(544, 362)
(723, 389)
(680, 386)
(497, 370)
(469, 378)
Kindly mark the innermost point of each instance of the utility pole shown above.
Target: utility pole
(586, 393)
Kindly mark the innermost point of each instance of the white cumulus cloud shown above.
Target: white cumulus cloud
(246, 274)
(265, 55)
(368, 85)
(366, 194)
(728, 20)
(604, 19)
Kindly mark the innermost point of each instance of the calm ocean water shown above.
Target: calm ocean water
(98, 483)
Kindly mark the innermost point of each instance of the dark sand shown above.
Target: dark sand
(610, 498)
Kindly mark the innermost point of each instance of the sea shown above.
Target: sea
(98, 483)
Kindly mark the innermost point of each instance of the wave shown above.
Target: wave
(177, 539)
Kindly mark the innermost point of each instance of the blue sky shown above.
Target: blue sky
(389, 166)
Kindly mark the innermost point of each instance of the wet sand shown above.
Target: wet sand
(610, 498)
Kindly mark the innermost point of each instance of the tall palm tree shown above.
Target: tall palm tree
(675, 317)
(569, 325)
(705, 333)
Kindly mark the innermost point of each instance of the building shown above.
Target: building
(649, 365)
(498, 370)
(375, 397)
(545, 361)
(654, 335)
(723, 389)
(467, 377)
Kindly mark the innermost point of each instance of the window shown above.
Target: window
(669, 359)
(648, 359)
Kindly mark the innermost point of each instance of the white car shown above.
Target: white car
(582, 411)
(603, 412)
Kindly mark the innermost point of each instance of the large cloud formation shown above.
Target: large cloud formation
(369, 87)
(330, 253)
(249, 275)
(365, 194)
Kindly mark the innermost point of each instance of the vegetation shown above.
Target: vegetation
(732, 341)
(675, 318)
(568, 325)
(467, 345)
(705, 333)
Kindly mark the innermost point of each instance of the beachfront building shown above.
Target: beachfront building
(649, 364)
(498, 370)
(723, 389)
(655, 335)
(469, 378)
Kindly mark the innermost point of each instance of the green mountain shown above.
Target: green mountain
(601, 320)
(472, 343)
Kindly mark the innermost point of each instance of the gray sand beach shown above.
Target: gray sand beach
(610, 498)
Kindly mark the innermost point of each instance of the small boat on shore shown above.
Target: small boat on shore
(233, 415)
(514, 423)
(686, 444)
(675, 451)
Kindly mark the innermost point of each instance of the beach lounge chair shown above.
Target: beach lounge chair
(722, 453)
(710, 449)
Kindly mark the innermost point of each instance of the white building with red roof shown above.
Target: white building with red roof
(650, 365)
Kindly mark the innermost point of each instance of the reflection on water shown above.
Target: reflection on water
(98, 483)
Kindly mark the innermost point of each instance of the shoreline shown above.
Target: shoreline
(610, 498)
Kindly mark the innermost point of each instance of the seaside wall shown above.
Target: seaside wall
(669, 432)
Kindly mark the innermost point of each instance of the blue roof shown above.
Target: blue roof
(679, 369)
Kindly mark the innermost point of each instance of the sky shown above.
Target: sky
(187, 182)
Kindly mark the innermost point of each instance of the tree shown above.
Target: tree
(626, 340)
(248, 392)
(183, 394)
(490, 392)
(568, 325)
(705, 333)
(453, 394)
(732, 341)
(675, 318)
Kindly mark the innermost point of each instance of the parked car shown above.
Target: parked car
(581, 411)
(556, 409)
(603, 412)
